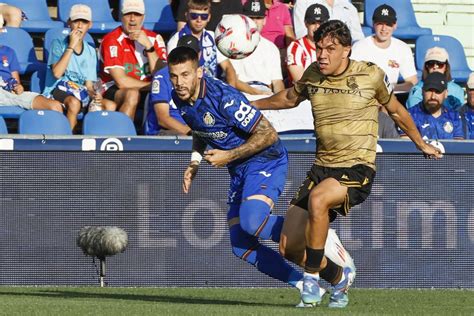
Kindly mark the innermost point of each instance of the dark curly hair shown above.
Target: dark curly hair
(334, 29)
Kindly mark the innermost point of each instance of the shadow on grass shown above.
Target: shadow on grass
(137, 297)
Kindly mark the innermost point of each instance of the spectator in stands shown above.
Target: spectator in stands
(72, 67)
(302, 52)
(163, 118)
(129, 55)
(278, 26)
(12, 92)
(467, 110)
(432, 119)
(12, 16)
(260, 73)
(389, 53)
(342, 10)
(197, 16)
(218, 9)
(387, 127)
(437, 59)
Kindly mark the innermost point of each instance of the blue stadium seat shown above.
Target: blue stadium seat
(22, 43)
(3, 126)
(108, 123)
(59, 32)
(407, 26)
(13, 112)
(457, 57)
(38, 15)
(158, 16)
(43, 122)
(102, 19)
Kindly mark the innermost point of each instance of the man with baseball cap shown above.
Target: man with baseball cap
(162, 117)
(432, 119)
(391, 54)
(72, 67)
(302, 52)
(467, 110)
(437, 60)
(129, 55)
(260, 73)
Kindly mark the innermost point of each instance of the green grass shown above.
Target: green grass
(224, 301)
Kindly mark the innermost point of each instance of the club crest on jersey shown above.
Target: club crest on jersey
(352, 83)
(448, 127)
(208, 119)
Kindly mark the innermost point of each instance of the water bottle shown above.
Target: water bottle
(94, 105)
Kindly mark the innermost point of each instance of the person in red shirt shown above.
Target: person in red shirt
(129, 55)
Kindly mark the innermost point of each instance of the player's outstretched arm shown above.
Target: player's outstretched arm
(198, 150)
(263, 135)
(404, 120)
(285, 99)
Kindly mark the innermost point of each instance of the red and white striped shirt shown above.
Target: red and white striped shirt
(300, 52)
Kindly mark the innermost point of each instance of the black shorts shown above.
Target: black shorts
(109, 94)
(60, 95)
(358, 179)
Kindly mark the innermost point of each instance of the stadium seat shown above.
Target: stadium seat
(108, 123)
(22, 43)
(3, 126)
(43, 122)
(407, 26)
(60, 32)
(158, 16)
(102, 19)
(37, 13)
(457, 57)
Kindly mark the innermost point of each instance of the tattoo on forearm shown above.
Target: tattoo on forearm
(263, 136)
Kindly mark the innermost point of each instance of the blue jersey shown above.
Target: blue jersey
(447, 126)
(224, 119)
(9, 63)
(467, 114)
(160, 93)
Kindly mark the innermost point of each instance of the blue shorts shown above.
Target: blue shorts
(256, 177)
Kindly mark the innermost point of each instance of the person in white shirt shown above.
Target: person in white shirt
(389, 53)
(342, 10)
(260, 73)
(302, 52)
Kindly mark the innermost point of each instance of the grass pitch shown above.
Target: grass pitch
(224, 301)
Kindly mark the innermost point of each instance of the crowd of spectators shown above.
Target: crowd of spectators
(128, 73)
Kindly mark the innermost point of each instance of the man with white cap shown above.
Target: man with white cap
(437, 60)
(389, 53)
(129, 55)
(467, 111)
(72, 67)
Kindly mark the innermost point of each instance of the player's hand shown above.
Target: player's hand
(189, 175)
(140, 37)
(75, 37)
(18, 88)
(217, 158)
(430, 151)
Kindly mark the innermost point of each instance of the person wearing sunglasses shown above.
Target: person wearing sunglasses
(467, 110)
(198, 15)
(437, 60)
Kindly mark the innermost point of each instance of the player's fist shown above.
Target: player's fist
(217, 158)
(189, 175)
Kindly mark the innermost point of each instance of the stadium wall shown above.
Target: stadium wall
(416, 230)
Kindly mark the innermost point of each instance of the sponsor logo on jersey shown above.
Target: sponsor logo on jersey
(228, 104)
(265, 174)
(213, 135)
(208, 119)
(425, 125)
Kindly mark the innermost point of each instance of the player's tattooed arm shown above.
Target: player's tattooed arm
(263, 136)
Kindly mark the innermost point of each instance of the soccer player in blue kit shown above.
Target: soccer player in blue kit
(242, 139)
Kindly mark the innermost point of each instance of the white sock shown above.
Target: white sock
(299, 285)
(312, 275)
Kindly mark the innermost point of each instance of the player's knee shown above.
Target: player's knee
(318, 205)
(253, 215)
(243, 245)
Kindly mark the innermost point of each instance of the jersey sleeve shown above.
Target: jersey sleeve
(240, 113)
(160, 47)
(458, 128)
(111, 54)
(14, 64)
(383, 87)
(160, 91)
(56, 52)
